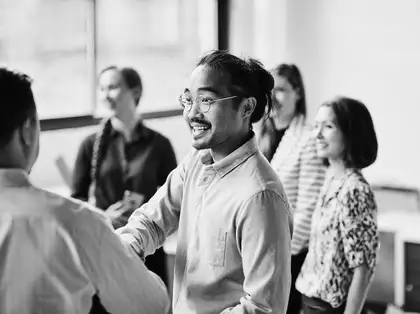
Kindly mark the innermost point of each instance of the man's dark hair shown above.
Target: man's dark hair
(248, 79)
(16, 101)
(355, 122)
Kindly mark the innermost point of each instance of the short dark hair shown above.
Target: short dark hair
(355, 122)
(248, 79)
(293, 75)
(130, 76)
(17, 102)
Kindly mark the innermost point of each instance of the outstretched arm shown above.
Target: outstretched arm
(149, 225)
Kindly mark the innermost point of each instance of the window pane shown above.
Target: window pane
(48, 39)
(161, 39)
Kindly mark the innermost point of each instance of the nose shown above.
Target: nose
(318, 133)
(194, 111)
(103, 95)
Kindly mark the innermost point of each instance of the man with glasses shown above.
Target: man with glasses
(232, 216)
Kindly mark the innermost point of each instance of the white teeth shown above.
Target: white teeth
(198, 128)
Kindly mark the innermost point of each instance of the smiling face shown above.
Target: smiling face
(115, 94)
(330, 141)
(223, 125)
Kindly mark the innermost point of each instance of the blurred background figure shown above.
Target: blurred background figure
(290, 103)
(344, 242)
(288, 142)
(121, 165)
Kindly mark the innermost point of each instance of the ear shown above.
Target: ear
(137, 92)
(25, 132)
(248, 107)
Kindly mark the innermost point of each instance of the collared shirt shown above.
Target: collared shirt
(58, 253)
(344, 235)
(147, 160)
(302, 173)
(234, 229)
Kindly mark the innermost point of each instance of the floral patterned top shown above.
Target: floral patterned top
(344, 235)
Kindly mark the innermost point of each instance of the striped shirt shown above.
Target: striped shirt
(302, 174)
(58, 254)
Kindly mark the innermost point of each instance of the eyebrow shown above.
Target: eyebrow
(204, 89)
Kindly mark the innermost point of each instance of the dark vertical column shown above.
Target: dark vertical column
(223, 24)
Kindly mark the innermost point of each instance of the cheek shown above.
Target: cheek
(291, 101)
(115, 94)
(279, 97)
(337, 141)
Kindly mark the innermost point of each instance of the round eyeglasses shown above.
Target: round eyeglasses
(203, 102)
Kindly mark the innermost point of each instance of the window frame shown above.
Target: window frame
(77, 121)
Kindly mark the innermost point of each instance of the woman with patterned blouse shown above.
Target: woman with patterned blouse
(344, 241)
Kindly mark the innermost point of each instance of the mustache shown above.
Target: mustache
(195, 120)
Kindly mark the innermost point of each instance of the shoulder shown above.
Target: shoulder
(357, 193)
(257, 177)
(160, 139)
(83, 221)
(87, 142)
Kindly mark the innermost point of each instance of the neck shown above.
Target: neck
(337, 168)
(283, 122)
(224, 149)
(125, 123)
(11, 160)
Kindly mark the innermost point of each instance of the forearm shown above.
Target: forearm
(142, 235)
(358, 290)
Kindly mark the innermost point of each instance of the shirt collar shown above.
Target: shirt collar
(233, 160)
(140, 131)
(13, 177)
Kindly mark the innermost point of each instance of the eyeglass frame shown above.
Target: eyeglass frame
(211, 101)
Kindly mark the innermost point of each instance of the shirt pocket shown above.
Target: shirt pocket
(218, 248)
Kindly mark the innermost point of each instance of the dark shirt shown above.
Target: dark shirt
(149, 156)
(269, 138)
(277, 136)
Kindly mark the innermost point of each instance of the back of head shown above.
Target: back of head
(355, 122)
(293, 75)
(248, 78)
(17, 102)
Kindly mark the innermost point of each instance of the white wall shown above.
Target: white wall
(366, 49)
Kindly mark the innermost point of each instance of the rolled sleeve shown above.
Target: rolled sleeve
(264, 235)
(359, 229)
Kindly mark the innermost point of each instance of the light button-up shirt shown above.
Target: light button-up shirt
(234, 233)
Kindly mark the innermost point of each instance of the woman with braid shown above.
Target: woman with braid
(120, 167)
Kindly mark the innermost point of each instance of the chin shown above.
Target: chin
(322, 154)
(200, 145)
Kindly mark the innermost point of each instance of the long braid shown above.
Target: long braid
(98, 153)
